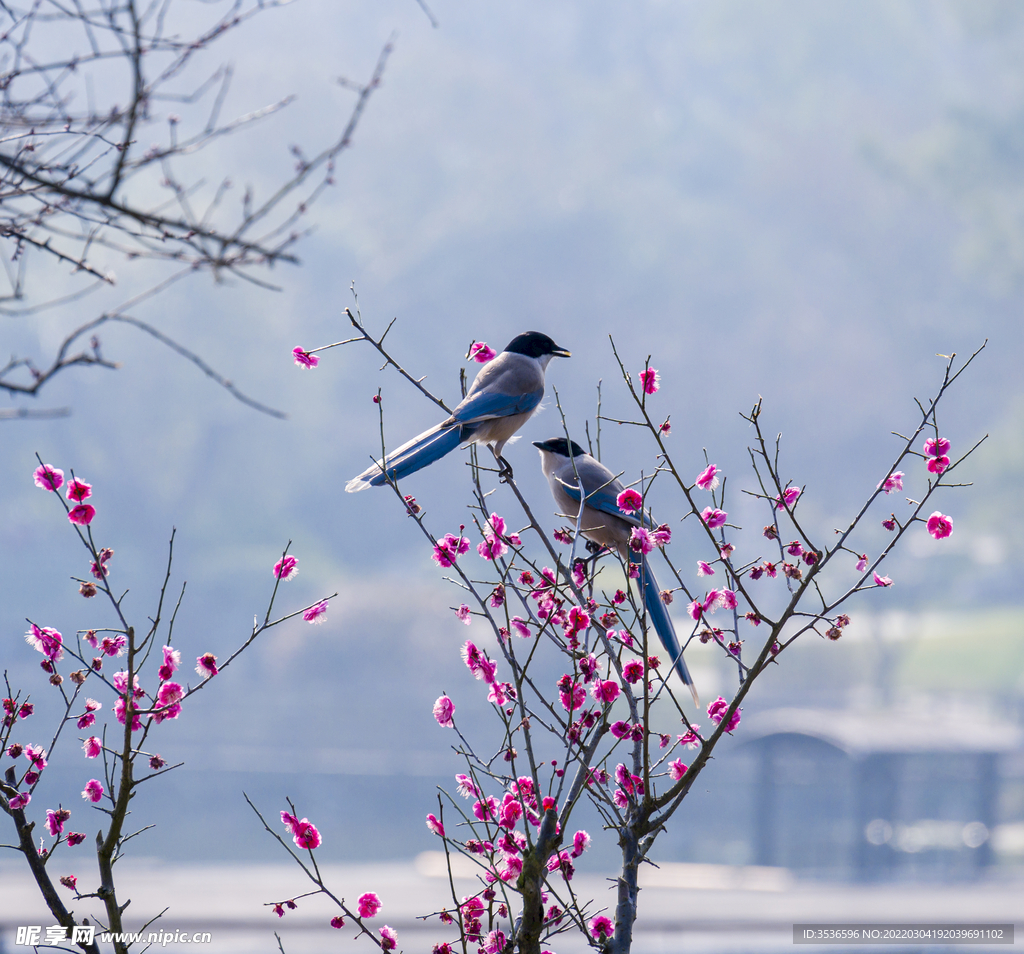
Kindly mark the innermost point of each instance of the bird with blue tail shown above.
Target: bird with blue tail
(566, 466)
(504, 396)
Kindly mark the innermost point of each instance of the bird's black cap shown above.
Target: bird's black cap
(534, 344)
(559, 445)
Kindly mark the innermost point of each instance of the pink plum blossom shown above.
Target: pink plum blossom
(464, 615)
(47, 641)
(305, 359)
(434, 825)
(369, 905)
(727, 599)
(113, 645)
(936, 447)
(519, 625)
(882, 580)
(713, 518)
(601, 927)
(938, 465)
(172, 660)
(492, 547)
(20, 800)
(206, 665)
(303, 831)
(448, 548)
(47, 477)
(641, 540)
(893, 482)
(633, 671)
(75, 838)
(444, 710)
(939, 525)
(676, 769)
(337, 922)
(286, 568)
(629, 501)
(788, 498)
(650, 381)
(82, 514)
(388, 938)
(662, 535)
(78, 490)
(480, 353)
(92, 747)
(707, 479)
(717, 711)
(704, 569)
(466, 786)
(316, 614)
(666, 427)
(93, 790)
(890, 523)
(862, 563)
(605, 692)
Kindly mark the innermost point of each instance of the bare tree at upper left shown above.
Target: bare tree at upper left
(84, 84)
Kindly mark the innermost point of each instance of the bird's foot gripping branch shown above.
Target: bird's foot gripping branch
(584, 741)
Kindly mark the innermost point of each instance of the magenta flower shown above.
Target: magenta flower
(304, 359)
(727, 599)
(713, 518)
(650, 381)
(492, 547)
(641, 540)
(169, 693)
(862, 563)
(572, 694)
(36, 756)
(93, 790)
(316, 614)
(92, 747)
(707, 479)
(75, 838)
(286, 568)
(434, 825)
(893, 482)
(519, 625)
(629, 500)
(480, 353)
(666, 427)
(388, 938)
(113, 645)
(936, 447)
(890, 523)
(601, 927)
(448, 548)
(605, 692)
(47, 641)
(717, 711)
(47, 477)
(82, 514)
(444, 710)
(704, 569)
(938, 465)
(369, 905)
(466, 787)
(464, 614)
(303, 831)
(676, 769)
(337, 922)
(172, 660)
(939, 525)
(882, 580)
(78, 490)
(19, 801)
(633, 671)
(206, 665)
(55, 820)
(788, 498)
(662, 536)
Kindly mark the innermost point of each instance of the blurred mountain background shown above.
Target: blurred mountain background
(806, 203)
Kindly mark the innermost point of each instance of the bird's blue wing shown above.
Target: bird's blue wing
(488, 404)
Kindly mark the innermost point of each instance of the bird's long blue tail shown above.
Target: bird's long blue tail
(662, 622)
(412, 456)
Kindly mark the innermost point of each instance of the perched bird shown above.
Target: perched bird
(502, 399)
(605, 524)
